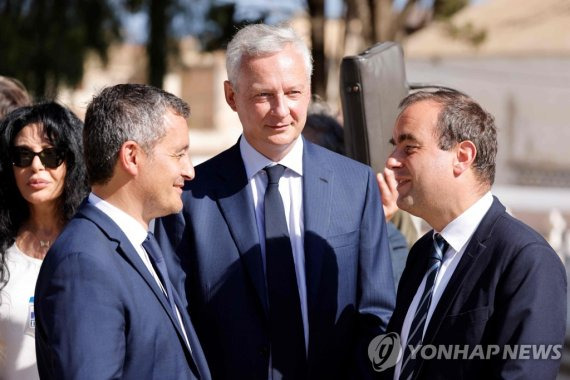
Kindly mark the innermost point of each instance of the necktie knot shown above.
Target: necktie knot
(439, 247)
(152, 248)
(274, 173)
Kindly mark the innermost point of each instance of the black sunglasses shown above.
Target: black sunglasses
(50, 157)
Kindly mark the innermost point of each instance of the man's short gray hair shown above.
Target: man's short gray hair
(259, 40)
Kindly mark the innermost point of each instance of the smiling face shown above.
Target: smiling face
(165, 169)
(37, 184)
(424, 172)
(271, 97)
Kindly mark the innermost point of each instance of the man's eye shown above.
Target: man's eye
(178, 156)
(410, 148)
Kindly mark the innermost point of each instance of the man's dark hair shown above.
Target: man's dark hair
(322, 128)
(121, 113)
(461, 119)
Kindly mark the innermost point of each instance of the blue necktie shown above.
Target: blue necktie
(155, 253)
(415, 336)
(285, 320)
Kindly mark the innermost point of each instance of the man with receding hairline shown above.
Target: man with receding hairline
(480, 278)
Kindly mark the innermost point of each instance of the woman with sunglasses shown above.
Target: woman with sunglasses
(42, 182)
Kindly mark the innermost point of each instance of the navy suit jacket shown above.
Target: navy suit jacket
(350, 290)
(509, 288)
(101, 315)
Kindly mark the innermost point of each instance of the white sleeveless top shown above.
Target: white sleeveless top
(17, 320)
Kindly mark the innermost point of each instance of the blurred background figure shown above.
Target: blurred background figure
(323, 129)
(42, 182)
(13, 94)
(401, 219)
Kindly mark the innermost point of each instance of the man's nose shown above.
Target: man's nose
(393, 161)
(188, 169)
(280, 106)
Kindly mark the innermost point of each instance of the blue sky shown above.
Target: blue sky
(136, 25)
(333, 8)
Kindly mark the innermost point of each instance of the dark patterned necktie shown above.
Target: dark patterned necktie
(415, 335)
(155, 253)
(285, 320)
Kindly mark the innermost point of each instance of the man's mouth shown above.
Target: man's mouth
(402, 181)
(279, 126)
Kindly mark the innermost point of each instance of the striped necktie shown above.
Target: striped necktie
(416, 333)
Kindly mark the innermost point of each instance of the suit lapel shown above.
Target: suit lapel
(475, 249)
(415, 271)
(128, 252)
(454, 286)
(196, 355)
(409, 282)
(317, 187)
(196, 352)
(236, 203)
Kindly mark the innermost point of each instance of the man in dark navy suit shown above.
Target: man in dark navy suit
(105, 305)
(480, 277)
(283, 242)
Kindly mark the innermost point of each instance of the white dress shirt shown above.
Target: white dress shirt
(457, 234)
(136, 234)
(291, 190)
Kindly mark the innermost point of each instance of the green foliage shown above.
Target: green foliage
(160, 44)
(221, 26)
(44, 43)
(444, 9)
(467, 32)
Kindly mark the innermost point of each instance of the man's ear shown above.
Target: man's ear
(465, 153)
(230, 95)
(130, 156)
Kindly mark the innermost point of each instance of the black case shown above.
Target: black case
(372, 84)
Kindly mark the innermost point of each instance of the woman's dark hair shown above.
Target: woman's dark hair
(64, 130)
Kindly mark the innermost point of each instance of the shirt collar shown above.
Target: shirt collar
(459, 231)
(255, 161)
(134, 231)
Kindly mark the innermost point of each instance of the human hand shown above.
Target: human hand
(388, 191)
